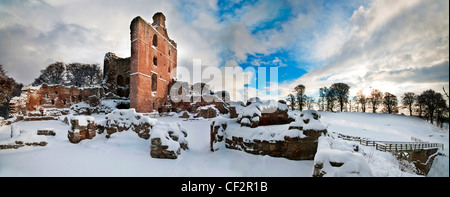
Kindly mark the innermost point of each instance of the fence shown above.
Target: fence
(417, 144)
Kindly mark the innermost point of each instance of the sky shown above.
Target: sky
(394, 46)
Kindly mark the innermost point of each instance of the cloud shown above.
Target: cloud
(433, 74)
(402, 45)
(36, 33)
(393, 46)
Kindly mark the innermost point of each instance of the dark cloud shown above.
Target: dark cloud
(435, 73)
(25, 51)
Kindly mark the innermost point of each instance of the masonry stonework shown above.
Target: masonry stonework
(117, 76)
(153, 63)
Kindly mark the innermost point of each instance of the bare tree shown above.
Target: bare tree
(408, 100)
(441, 108)
(9, 88)
(375, 99)
(341, 91)
(361, 99)
(448, 98)
(446, 94)
(300, 93)
(291, 100)
(330, 96)
(390, 103)
(322, 95)
(309, 102)
(53, 74)
(432, 101)
(420, 103)
(79, 74)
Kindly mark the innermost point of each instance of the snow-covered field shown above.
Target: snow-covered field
(125, 154)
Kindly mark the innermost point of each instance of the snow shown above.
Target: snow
(263, 106)
(255, 119)
(250, 111)
(82, 120)
(246, 121)
(352, 164)
(126, 154)
(127, 118)
(297, 123)
(269, 133)
(292, 133)
(206, 107)
(28, 136)
(314, 125)
(219, 120)
(385, 127)
(15, 130)
(440, 167)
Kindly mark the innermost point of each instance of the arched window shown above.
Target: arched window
(169, 69)
(155, 40)
(154, 82)
(155, 61)
(120, 80)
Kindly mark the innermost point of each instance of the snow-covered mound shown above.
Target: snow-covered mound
(289, 141)
(309, 120)
(262, 112)
(338, 163)
(126, 119)
(167, 140)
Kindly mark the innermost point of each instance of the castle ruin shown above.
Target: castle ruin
(143, 79)
(153, 63)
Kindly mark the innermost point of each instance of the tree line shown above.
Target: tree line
(338, 93)
(430, 104)
(76, 74)
(9, 88)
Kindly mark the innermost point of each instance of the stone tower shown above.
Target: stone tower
(153, 63)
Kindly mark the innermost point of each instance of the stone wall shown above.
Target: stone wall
(126, 119)
(217, 132)
(36, 100)
(423, 159)
(167, 140)
(296, 143)
(290, 148)
(116, 72)
(261, 113)
(82, 127)
(207, 112)
(2, 122)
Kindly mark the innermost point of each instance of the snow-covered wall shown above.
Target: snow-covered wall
(330, 162)
(289, 141)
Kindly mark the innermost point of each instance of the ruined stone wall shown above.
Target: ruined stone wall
(290, 148)
(153, 63)
(59, 96)
(53, 96)
(116, 72)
